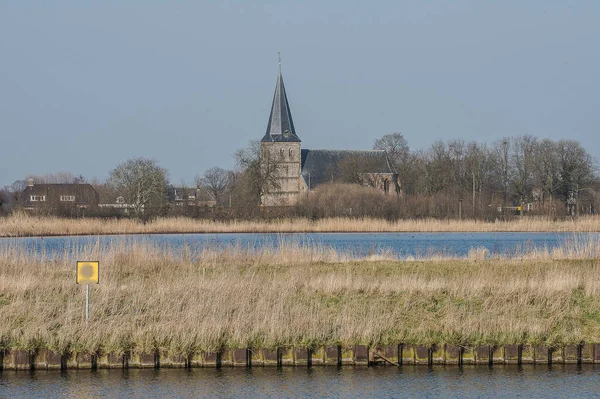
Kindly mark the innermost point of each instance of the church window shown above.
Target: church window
(281, 153)
(291, 152)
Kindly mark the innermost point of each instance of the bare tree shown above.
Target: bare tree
(438, 168)
(248, 157)
(523, 162)
(261, 170)
(414, 178)
(396, 147)
(216, 181)
(478, 171)
(3, 198)
(501, 155)
(576, 169)
(12, 193)
(143, 185)
(546, 169)
(457, 156)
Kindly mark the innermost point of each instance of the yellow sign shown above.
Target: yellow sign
(88, 272)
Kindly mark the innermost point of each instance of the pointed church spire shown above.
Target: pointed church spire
(279, 59)
(281, 125)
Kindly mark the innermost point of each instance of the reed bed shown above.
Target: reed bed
(21, 225)
(189, 299)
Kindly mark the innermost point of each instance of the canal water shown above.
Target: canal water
(323, 382)
(358, 244)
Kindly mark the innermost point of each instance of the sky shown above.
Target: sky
(85, 85)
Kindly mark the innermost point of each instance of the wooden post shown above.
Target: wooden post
(87, 304)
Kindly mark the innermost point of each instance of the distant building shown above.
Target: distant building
(299, 170)
(204, 198)
(117, 203)
(63, 196)
(186, 196)
(372, 167)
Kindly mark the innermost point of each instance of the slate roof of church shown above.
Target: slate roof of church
(321, 164)
(280, 127)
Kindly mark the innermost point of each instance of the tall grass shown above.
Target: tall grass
(190, 299)
(25, 225)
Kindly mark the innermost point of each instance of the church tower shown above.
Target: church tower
(280, 152)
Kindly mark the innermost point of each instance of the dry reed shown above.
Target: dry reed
(21, 225)
(189, 299)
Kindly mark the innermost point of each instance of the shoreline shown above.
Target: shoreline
(397, 355)
(297, 232)
(46, 226)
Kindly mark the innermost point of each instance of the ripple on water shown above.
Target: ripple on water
(325, 382)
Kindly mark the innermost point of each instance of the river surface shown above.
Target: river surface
(358, 244)
(322, 382)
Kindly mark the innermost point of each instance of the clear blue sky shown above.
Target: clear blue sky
(85, 85)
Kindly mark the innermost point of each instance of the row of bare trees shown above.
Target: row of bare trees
(513, 171)
(481, 179)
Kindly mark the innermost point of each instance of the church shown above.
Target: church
(295, 172)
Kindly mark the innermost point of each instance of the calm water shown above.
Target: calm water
(360, 244)
(326, 382)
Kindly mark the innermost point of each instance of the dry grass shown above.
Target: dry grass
(22, 225)
(186, 300)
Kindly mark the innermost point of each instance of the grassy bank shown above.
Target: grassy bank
(23, 225)
(184, 301)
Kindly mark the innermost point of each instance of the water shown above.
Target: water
(359, 244)
(327, 382)
(324, 382)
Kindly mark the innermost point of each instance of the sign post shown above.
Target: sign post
(87, 303)
(88, 272)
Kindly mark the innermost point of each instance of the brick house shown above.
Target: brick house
(59, 196)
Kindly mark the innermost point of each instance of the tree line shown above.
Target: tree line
(451, 178)
(511, 172)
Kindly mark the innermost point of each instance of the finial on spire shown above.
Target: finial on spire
(279, 57)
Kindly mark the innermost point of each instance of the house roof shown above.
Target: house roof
(84, 193)
(280, 127)
(322, 165)
(62, 188)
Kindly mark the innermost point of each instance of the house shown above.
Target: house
(63, 196)
(117, 202)
(296, 170)
(204, 198)
(187, 196)
(184, 196)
